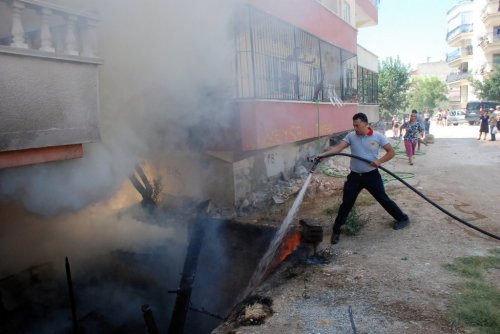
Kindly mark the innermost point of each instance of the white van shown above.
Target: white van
(456, 117)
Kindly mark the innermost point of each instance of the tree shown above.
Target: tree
(427, 93)
(489, 89)
(393, 85)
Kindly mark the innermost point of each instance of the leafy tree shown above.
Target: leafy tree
(393, 85)
(489, 89)
(427, 93)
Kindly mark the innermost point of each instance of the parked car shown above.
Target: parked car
(456, 117)
(472, 110)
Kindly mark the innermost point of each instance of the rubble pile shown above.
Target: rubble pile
(327, 181)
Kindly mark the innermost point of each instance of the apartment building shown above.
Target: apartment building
(473, 37)
(76, 71)
(48, 82)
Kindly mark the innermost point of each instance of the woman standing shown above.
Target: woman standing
(413, 130)
(483, 124)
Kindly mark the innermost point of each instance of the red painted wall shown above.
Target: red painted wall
(270, 123)
(369, 8)
(40, 155)
(313, 18)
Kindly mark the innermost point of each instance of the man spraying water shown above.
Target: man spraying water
(364, 143)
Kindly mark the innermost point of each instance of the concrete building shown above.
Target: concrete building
(48, 82)
(473, 30)
(131, 76)
(439, 69)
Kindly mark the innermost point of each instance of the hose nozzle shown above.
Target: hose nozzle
(315, 160)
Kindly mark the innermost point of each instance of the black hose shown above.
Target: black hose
(460, 220)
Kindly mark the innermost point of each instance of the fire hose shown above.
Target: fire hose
(316, 161)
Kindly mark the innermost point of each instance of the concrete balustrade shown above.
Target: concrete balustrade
(48, 28)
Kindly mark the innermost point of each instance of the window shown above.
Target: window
(347, 12)
(276, 60)
(496, 34)
(496, 59)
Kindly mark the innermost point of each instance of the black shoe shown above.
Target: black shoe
(335, 238)
(402, 224)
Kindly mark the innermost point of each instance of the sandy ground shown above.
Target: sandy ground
(387, 281)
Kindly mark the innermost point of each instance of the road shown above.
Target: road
(396, 281)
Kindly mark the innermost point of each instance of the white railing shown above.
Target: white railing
(52, 29)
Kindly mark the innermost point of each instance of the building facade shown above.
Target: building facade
(48, 82)
(296, 76)
(473, 37)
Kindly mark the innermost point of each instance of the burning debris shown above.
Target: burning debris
(150, 192)
(254, 311)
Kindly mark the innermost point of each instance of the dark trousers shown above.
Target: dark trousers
(371, 181)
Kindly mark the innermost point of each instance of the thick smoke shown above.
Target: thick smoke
(166, 66)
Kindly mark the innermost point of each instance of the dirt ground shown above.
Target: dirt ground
(387, 281)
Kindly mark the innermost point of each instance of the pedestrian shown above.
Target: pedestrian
(381, 126)
(395, 126)
(365, 143)
(427, 126)
(493, 125)
(496, 126)
(440, 118)
(483, 124)
(445, 117)
(420, 121)
(412, 130)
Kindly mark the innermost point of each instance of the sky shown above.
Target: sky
(412, 29)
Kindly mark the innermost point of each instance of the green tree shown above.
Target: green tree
(427, 93)
(489, 89)
(393, 85)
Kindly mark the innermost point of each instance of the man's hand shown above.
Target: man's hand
(315, 158)
(375, 163)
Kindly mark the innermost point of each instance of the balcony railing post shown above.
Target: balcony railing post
(17, 29)
(45, 34)
(89, 38)
(70, 47)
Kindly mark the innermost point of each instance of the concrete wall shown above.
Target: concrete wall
(266, 165)
(367, 59)
(47, 102)
(371, 110)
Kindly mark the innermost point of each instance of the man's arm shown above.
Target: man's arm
(389, 154)
(334, 149)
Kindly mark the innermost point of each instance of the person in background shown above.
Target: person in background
(427, 126)
(483, 124)
(412, 130)
(420, 121)
(365, 143)
(493, 124)
(395, 126)
(381, 126)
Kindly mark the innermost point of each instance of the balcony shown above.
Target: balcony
(49, 84)
(459, 55)
(490, 43)
(454, 77)
(490, 15)
(459, 33)
(366, 13)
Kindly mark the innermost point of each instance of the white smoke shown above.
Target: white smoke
(164, 62)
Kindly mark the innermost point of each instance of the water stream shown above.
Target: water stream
(266, 261)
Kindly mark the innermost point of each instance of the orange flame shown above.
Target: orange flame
(289, 245)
